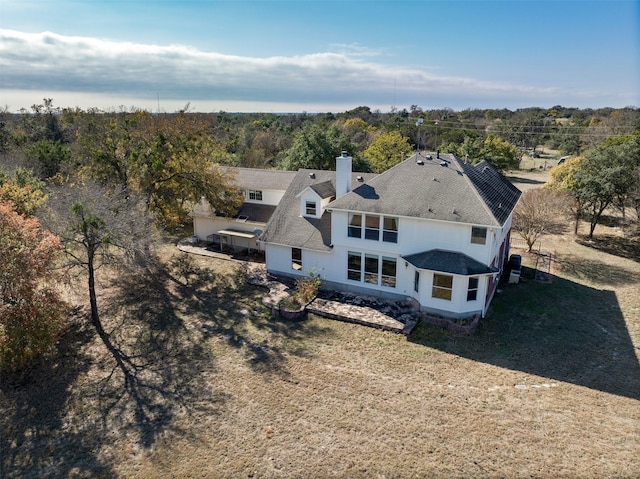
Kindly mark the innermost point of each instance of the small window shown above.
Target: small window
(371, 268)
(354, 266)
(355, 225)
(472, 291)
(255, 195)
(310, 208)
(478, 235)
(390, 229)
(388, 277)
(296, 259)
(416, 281)
(442, 286)
(372, 227)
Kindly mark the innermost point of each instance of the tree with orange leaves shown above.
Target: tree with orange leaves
(32, 314)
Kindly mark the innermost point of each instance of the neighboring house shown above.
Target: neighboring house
(263, 190)
(431, 228)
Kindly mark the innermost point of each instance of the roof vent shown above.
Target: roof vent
(312, 175)
(444, 163)
(429, 157)
(359, 178)
(485, 169)
(435, 179)
(454, 212)
(420, 161)
(344, 153)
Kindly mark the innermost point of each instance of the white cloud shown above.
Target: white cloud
(52, 62)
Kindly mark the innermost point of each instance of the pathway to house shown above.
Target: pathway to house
(397, 316)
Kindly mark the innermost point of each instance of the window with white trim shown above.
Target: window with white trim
(472, 290)
(310, 208)
(355, 225)
(478, 235)
(372, 227)
(388, 272)
(354, 266)
(296, 259)
(371, 268)
(379, 270)
(390, 229)
(255, 195)
(442, 286)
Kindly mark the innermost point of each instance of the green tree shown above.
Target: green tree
(387, 149)
(494, 150)
(49, 156)
(606, 175)
(170, 160)
(32, 313)
(317, 147)
(563, 178)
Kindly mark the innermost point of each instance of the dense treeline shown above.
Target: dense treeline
(49, 139)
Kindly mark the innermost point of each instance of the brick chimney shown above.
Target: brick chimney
(343, 174)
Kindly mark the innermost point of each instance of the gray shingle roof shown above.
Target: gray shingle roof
(258, 179)
(288, 228)
(324, 189)
(447, 262)
(256, 212)
(440, 188)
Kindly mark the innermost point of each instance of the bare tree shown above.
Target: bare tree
(98, 226)
(540, 211)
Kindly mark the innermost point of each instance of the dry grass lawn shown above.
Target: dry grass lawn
(211, 386)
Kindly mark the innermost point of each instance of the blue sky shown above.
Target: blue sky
(319, 56)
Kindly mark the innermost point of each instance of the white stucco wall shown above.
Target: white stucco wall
(418, 235)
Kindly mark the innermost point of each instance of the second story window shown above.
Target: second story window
(255, 195)
(478, 235)
(310, 208)
(372, 227)
(390, 229)
(355, 225)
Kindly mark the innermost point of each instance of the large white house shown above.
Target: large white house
(432, 228)
(262, 190)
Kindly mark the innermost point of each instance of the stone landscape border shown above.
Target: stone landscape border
(452, 325)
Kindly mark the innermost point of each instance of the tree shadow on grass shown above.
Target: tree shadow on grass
(35, 417)
(563, 331)
(615, 245)
(595, 271)
(158, 366)
(227, 307)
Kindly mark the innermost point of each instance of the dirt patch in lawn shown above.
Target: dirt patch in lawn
(218, 388)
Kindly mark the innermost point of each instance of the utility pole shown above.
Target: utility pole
(418, 123)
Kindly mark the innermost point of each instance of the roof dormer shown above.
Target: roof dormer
(314, 198)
